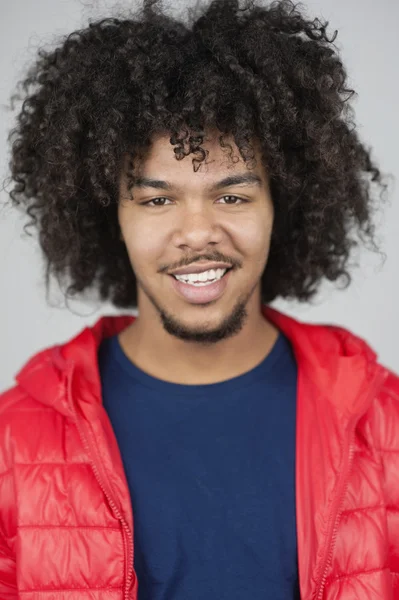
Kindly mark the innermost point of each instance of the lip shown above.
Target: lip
(201, 294)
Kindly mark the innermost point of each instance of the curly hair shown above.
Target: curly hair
(250, 72)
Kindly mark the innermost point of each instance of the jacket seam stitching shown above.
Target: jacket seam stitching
(70, 589)
(362, 509)
(357, 574)
(50, 464)
(56, 526)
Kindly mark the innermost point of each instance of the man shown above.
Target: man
(211, 447)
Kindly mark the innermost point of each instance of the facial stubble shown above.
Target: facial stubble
(230, 326)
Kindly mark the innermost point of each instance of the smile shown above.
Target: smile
(201, 279)
(200, 288)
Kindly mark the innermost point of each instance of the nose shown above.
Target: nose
(197, 228)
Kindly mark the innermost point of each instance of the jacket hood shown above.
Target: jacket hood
(326, 354)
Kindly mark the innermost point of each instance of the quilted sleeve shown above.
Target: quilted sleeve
(385, 430)
(8, 579)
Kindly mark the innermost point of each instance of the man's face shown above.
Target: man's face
(190, 223)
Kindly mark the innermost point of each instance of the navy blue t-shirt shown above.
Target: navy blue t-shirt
(211, 472)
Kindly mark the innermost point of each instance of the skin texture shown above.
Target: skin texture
(224, 338)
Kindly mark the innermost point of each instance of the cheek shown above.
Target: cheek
(144, 242)
(252, 235)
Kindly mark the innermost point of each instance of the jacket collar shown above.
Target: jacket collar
(338, 375)
(326, 354)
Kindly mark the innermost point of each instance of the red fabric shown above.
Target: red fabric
(66, 523)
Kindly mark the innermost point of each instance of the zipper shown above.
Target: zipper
(335, 514)
(127, 534)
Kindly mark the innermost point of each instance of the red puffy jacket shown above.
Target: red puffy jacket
(66, 523)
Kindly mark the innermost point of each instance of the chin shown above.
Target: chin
(213, 326)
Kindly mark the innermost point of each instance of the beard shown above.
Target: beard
(230, 325)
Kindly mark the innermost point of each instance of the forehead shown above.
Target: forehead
(160, 161)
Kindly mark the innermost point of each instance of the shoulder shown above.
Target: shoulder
(10, 399)
(382, 431)
(383, 415)
(379, 432)
(25, 415)
(20, 416)
(15, 403)
(17, 399)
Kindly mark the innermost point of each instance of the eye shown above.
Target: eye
(234, 198)
(155, 201)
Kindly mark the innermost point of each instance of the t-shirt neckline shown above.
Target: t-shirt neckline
(248, 378)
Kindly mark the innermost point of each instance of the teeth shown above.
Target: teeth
(204, 278)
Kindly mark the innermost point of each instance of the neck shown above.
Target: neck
(147, 345)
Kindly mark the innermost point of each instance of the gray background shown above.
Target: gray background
(368, 42)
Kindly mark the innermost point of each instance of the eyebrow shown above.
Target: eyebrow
(239, 179)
